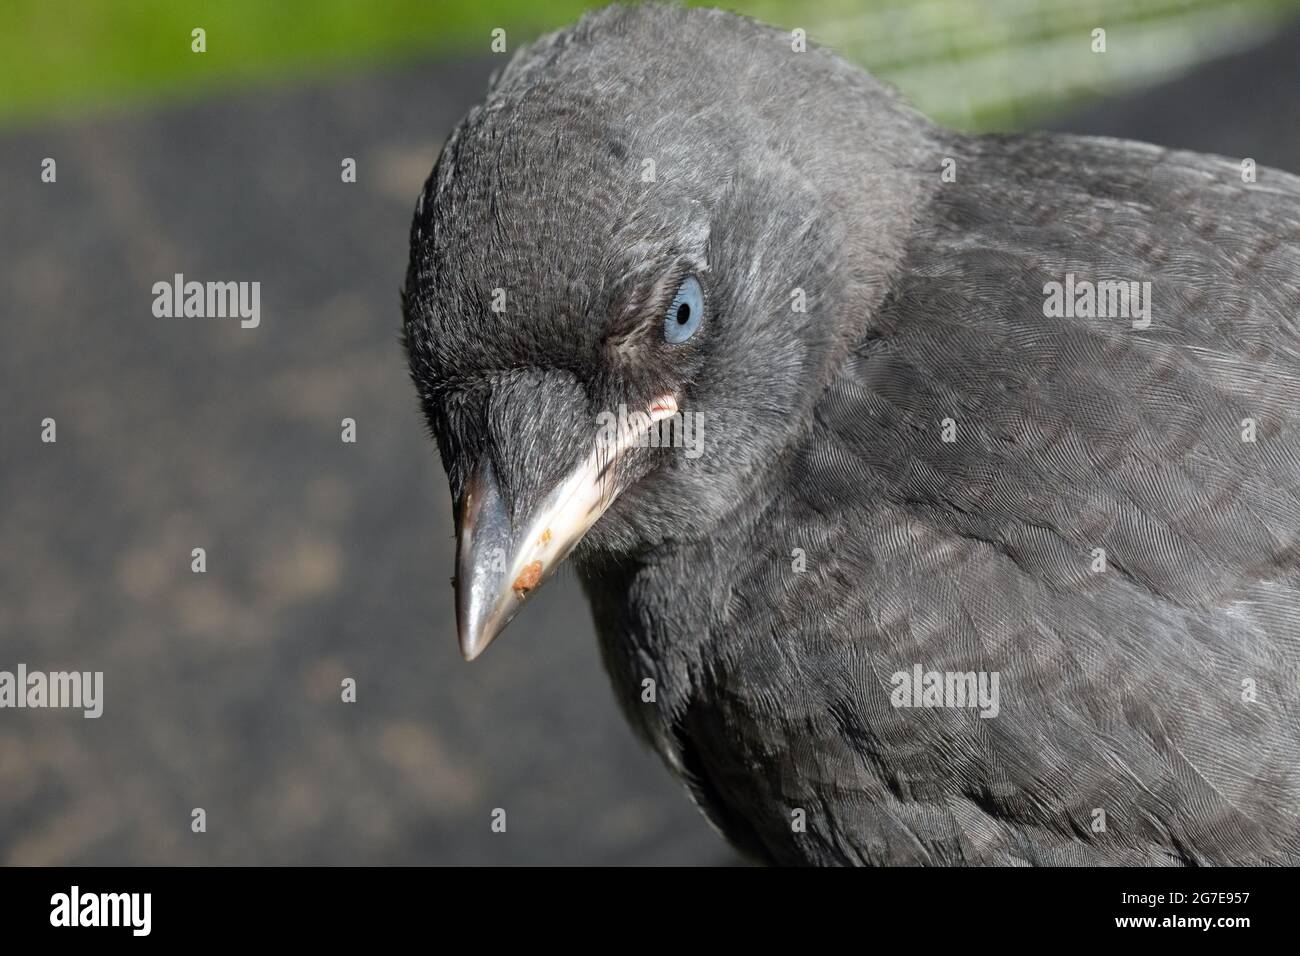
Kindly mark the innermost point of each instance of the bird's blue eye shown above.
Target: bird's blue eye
(686, 311)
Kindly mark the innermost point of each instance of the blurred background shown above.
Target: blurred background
(329, 560)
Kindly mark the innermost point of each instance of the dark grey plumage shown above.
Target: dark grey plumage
(1124, 691)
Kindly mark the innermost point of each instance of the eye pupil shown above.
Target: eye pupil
(683, 314)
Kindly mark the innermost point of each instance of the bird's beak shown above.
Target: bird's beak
(499, 566)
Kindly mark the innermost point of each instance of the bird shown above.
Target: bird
(989, 550)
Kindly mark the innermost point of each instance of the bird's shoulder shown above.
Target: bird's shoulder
(1104, 514)
(1007, 393)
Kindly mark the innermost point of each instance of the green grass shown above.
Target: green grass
(72, 55)
(973, 63)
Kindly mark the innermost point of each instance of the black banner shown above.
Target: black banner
(334, 905)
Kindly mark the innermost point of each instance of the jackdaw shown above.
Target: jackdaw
(991, 551)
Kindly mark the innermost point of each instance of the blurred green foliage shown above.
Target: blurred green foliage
(77, 54)
(975, 63)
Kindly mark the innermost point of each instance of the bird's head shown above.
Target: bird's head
(636, 237)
